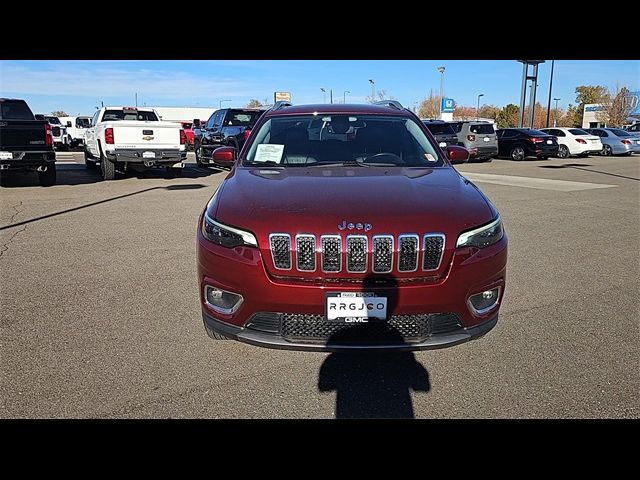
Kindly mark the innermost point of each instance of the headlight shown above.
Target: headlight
(225, 235)
(482, 236)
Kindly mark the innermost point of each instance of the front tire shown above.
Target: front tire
(88, 162)
(213, 335)
(563, 151)
(48, 177)
(517, 153)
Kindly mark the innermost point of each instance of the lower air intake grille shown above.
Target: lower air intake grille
(397, 330)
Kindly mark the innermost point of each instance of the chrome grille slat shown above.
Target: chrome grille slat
(306, 253)
(280, 244)
(331, 253)
(382, 253)
(408, 249)
(357, 253)
(432, 251)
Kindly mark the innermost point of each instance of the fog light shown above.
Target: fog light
(484, 302)
(222, 301)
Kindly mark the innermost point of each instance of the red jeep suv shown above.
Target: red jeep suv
(346, 227)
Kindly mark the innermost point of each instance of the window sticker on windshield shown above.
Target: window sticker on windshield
(429, 157)
(269, 152)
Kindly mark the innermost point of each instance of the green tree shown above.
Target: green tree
(588, 94)
(508, 116)
(59, 113)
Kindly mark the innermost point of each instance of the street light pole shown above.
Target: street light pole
(478, 109)
(331, 96)
(324, 95)
(344, 96)
(441, 70)
(550, 88)
(223, 101)
(373, 90)
(555, 114)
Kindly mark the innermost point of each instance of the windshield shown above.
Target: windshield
(482, 128)
(577, 131)
(83, 122)
(140, 115)
(342, 140)
(440, 128)
(53, 120)
(241, 118)
(15, 111)
(619, 132)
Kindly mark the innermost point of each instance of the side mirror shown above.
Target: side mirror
(457, 154)
(68, 124)
(224, 156)
(196, 123)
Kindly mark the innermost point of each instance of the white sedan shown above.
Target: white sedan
(574, 141)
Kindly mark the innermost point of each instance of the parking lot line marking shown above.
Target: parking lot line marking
(531, 182)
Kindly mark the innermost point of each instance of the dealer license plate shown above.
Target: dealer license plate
(6, 155)
(355, 307)
(486, 139)
(549, 142)
(148, 154)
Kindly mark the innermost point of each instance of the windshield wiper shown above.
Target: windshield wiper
(268, 163)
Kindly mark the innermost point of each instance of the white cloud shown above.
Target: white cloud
(103, 82)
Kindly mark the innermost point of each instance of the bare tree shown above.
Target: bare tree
(253, 103)
(430, 106)
(380, 95)
(616, 112)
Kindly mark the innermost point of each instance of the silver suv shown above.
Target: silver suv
(478, 137)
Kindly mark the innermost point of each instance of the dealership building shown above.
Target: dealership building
(590, 115)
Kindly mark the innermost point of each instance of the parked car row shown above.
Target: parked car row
(485, 143)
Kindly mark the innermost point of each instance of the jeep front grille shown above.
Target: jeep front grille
(281, 250)
(408, 249)
(331, 253)
(360, 254)
(356, 253)
(432, 252)
(306, 253)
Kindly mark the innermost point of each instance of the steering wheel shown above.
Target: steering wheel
(384, 157)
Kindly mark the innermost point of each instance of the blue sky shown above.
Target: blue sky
(78, 86)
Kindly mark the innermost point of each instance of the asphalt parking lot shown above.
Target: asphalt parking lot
(100, 314)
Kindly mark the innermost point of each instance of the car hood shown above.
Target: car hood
(317, 200)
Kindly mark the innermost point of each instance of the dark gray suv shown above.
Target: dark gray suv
(478, 137)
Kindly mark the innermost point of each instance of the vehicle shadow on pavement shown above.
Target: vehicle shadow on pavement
(578, 166)
(181, 186)
(370, 384)
(65, 175)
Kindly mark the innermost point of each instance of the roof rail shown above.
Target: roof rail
(281, 104)
(390, 103)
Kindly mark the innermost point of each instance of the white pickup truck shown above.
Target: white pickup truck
(133, 138)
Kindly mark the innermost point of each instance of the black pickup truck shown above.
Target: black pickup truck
(228, 127)
(26, 144)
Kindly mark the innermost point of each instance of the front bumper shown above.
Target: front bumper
(160, 156)
(241, 270)
(273, 340)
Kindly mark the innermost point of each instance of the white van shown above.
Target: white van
(76, 127)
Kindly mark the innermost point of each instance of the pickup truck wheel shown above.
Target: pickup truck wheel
(88, 162)
(48, 177)
(198, 152)
(213, 334)
(108, 168)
